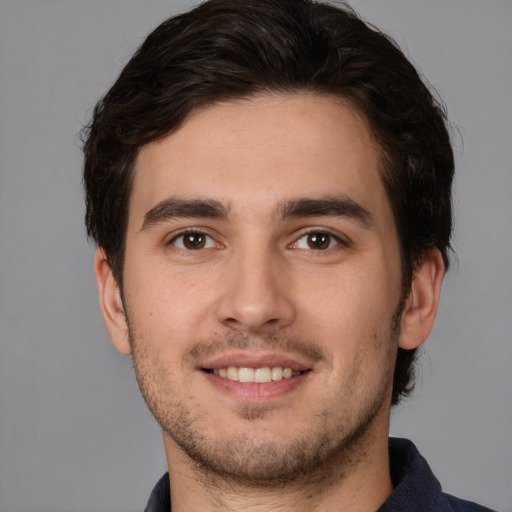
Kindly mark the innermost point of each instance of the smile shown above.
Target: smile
(259, 375)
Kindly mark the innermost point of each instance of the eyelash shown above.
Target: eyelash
(338, 241)
(332, 238)
(190, 232)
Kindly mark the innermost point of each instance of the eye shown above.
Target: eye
(193, 241)
(317, 240)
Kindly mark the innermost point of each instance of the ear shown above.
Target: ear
(111, 303)
(421, 306)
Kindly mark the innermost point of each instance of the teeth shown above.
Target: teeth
(265, 374)
(232, 373)
(277, 373)
(246, 375)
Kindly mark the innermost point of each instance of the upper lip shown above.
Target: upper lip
(256, 360)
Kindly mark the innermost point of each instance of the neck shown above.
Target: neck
(356, 479)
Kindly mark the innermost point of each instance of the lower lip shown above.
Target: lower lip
(256, 391)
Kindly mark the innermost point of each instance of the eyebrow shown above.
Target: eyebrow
(327, 206)
(173, 208)
(334, 206)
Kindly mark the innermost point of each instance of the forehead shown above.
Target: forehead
(251, 153)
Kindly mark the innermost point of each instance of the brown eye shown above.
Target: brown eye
(193, 241)
(319, 241)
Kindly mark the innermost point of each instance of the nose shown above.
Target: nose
(256, 293)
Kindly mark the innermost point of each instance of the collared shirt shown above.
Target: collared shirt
(416, 489)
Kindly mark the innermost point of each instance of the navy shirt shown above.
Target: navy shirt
(416, 489)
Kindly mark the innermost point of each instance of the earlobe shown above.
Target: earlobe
(111, 303)
(421, 305)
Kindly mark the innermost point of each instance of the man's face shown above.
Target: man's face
(260, 244)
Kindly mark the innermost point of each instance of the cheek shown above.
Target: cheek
(352, 316)
(168, 305)
(354, 298)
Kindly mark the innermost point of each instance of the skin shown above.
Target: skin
(266, 284)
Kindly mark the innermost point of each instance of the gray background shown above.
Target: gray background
(74, 433)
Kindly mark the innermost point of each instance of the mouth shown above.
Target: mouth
(259, 375)
(253, 377)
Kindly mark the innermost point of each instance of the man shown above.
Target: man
(269, 186)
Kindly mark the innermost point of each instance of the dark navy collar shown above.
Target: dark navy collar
(415, 486)
(160, 498)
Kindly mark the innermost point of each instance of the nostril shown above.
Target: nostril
(241, 325)
(231, 322)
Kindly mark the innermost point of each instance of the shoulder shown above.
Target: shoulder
(454, 504)
(415, 486)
